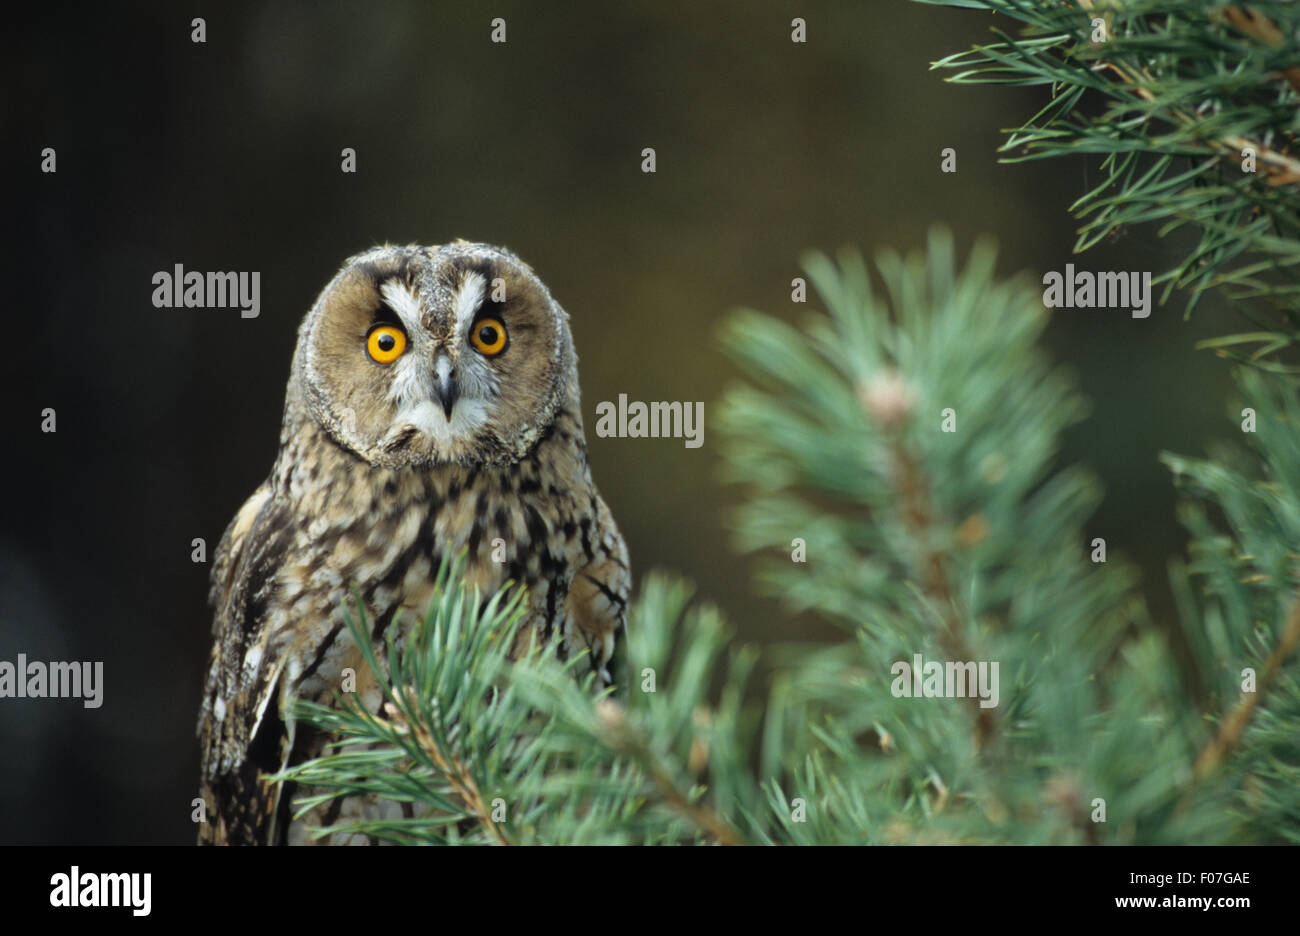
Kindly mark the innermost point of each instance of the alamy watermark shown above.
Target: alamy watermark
(32, 679)
(178, 289)
(87, 889)
(637, 420)
(935, 680)
(1087, 290)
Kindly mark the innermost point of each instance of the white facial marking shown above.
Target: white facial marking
(402, 301)
(467, 416)
(468, 299)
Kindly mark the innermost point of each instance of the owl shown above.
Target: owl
(432, 408)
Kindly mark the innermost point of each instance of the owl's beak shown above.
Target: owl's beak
(445, 386)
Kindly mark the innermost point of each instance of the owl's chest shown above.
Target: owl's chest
(390, 555)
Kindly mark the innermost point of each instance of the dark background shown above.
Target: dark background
(225, 156)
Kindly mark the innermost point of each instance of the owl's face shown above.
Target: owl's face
(414, 356)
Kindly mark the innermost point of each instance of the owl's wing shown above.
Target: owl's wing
(597, 599)
(241, 734)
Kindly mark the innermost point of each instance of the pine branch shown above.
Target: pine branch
(1248, 576)
(458, 775)
(628, 742)
(1234, 726)
(918, 512)
(1280, 168)
(443, 712)
(916, 535)
(1258, 26)
(1195, 95)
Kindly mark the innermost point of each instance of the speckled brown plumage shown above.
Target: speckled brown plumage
(376, 481)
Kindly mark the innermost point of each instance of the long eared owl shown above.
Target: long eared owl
(432, 407)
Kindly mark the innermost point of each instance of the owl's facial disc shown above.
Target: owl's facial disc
(419, 356)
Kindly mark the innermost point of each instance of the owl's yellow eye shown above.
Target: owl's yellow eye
(385, 343)
(489, 336)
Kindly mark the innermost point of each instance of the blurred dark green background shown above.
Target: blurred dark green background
(225, 156)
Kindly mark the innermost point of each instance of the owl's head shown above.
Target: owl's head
(414, 356)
